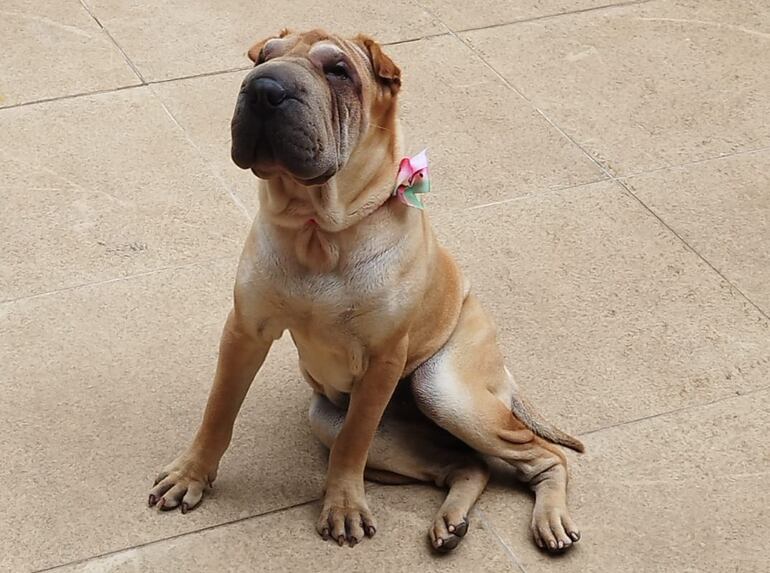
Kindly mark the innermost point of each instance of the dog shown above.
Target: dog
(408, 381)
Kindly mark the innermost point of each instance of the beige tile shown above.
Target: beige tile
(684, 492)
(204, 107)
(645, 86)
(101, 187)
(178, 38)
(603, 314)
(102, 386)
(722, 209)
(485, 143)
(55, 51)
(464, 15)
(287, 541)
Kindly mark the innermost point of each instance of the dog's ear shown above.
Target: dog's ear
(385, 69)
(256, 49)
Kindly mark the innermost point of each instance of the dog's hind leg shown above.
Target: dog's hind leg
(408, 448)
(466, 390)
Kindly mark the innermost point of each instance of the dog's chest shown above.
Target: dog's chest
(331, 339)
(364, 288)
(335, 319)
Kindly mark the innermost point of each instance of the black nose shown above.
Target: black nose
(266, 92)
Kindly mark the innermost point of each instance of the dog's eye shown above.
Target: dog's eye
(260, 57)
(338, 70)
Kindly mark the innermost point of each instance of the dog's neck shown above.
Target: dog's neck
(315, 218)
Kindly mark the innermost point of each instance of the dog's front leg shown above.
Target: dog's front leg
(241, 353)
(345, 515)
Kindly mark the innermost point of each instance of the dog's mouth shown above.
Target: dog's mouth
(277, 171)
(281, 126)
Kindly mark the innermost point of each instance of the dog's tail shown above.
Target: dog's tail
(532, 419)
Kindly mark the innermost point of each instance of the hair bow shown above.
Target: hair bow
(412, 179)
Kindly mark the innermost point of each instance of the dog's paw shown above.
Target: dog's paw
(182, 483)
(553, 529)
(345, 517)
(448, 531)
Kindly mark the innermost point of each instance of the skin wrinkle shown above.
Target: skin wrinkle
(342, 119)
(336, 120)
(311, 148)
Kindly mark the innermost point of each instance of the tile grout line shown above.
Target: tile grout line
(201, 75)
(630, 193)
(547, 16)
(70, 96)
(128, 87)
(203, 157)
(177, 536)
(418, 39)
(145, 82)
(536, 194)
(506, 548)
(131, 65)
(610, 175)
(370, 487)
(115, 279)
(674, 411)
(693, 162)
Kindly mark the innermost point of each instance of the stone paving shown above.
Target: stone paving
(602, 172)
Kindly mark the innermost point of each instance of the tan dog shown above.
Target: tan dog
(408, 380)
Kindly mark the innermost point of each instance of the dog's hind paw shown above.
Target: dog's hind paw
(554, 530)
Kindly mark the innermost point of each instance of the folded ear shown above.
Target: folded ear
(256, 49)
(384, 68)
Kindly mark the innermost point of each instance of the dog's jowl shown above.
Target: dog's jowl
(407, 378)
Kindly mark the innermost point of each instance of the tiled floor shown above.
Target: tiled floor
(602, 172)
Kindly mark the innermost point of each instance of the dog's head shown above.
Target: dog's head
(310, 100)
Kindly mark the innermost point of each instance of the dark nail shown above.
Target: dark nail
(451, 543)
(152, 501)
(371, 530)
(185, 507)
(341, 540)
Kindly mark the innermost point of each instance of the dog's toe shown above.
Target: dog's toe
(554, 531)
(447, 532)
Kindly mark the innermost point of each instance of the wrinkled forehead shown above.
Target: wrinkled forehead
(317, 44)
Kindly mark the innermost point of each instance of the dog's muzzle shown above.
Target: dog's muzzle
(282, 123)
